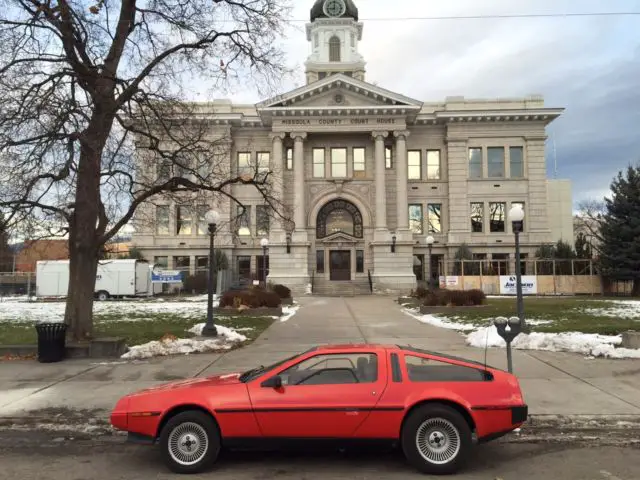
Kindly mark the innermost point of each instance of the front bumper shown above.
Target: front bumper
(140, 439)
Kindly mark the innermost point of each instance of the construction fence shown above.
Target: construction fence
(539, 277)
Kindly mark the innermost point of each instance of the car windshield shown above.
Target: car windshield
(255, 372)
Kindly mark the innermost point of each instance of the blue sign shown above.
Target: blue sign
(166, 276)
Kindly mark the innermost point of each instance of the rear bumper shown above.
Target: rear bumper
(519, 414)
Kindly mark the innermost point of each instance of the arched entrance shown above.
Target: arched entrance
(339, 229)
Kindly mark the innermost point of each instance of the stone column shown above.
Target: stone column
(277, 167)
(402, 203)
(381, 193)
(299, 212)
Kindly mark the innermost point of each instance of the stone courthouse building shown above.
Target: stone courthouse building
(368, 174)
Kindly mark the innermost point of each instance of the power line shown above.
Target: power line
(494, 17)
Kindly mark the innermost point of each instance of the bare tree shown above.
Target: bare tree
(591, 214)
(91, 89)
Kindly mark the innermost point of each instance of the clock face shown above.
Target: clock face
(334, 8)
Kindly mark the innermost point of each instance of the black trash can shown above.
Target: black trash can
(51, 342)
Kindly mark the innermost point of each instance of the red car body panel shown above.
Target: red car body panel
(354, 410)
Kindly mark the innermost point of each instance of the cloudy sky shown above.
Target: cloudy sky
(588, 65)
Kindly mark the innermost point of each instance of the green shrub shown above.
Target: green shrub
(281, 291)
(253, 298)
(454, 298)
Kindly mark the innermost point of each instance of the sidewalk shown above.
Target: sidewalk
(553, 383)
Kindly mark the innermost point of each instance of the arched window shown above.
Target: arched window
(339, 216)
(334, 49)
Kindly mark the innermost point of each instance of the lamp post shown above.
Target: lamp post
(212, 218)
(516, 215)
(430, 241)
(264, 243)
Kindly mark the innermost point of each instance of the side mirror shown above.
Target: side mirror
(273, 382)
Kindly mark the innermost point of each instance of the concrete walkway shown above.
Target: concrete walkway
(553, 383)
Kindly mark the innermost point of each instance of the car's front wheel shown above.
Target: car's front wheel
(436, 439)
(190, 442)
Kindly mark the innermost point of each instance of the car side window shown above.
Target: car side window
(333, 369)
(423, 369)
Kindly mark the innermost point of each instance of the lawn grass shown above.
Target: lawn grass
(138, 329)
(566, 315)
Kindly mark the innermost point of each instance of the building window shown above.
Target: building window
(516, 162)
(182, 263)
(521, 205)
(289, 158)
(339, 162)
(184, 169)
(359, 164)
(262, 220)
(162, 220)
(244, 267)
(243, 221)
(388, 158)
(495, 162)
(334, 49)
(262, 167)
(414, 159)
(496, 217)
(318, 162)
(244, 164)
(162, 262)
(320, 261)
(477, 217)
(433, 164)
(184, 221)
(262, 266)
(164, 170)
(500, 263)
(475, 163)
(359, 261)
(415, 218)
(434, 217)
(202, 263)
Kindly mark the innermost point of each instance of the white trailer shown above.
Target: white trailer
(114, 278)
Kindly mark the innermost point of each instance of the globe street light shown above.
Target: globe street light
(264, 243)
(212, 218)
(516, 215)
(430, 241)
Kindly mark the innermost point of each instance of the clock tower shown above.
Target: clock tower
(334, 33)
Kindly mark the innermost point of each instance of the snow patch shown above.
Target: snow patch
(226, 339)
(440, 322)
(288, 311)
(589, 344)
(617, 308)
(308, 289)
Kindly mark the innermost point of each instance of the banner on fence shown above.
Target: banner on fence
(166, 276)
(448, 281)
(508, 285)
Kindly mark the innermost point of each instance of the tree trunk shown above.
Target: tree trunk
(84, 238)
(636, 287)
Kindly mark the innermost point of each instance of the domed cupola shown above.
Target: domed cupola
(334, 33)
(334, 9)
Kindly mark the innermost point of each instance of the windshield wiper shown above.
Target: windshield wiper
(250, 373)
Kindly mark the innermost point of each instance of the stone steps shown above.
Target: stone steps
(324, 288)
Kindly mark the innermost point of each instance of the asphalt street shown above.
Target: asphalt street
(57, 458)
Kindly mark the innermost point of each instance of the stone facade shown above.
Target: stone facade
(393, 171)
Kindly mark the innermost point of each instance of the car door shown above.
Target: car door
(323, 396)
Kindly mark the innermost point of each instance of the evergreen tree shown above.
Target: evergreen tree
(582, 247)
(620, 230)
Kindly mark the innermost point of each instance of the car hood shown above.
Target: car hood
(213, 381)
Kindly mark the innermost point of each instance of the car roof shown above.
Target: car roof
(354, 346)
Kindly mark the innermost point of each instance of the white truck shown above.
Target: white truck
(114, 278)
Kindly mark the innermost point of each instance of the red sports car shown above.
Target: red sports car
(435, 406)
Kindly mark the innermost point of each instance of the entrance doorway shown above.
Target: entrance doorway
(340, 265)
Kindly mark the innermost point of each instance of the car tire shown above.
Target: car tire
(190, 442)
(103, 296)
(436, 439)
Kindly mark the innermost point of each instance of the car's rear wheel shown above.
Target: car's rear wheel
(436, 439)
(190, 442)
